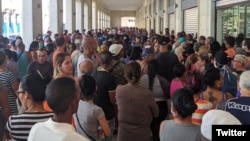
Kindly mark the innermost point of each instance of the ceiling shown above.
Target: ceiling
(122, 4)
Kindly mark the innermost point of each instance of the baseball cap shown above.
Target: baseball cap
(216, 117)
(115, 49)
(163, 40)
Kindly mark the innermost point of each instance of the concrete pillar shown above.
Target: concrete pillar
(69, 15)
(79, 14)
(31, 20)
(82, 14)
(179, 17)
(165, 15)
(1, 18)
(56, 16)
(90, 14)
(206, 17)
(157, 22)
(86, 16)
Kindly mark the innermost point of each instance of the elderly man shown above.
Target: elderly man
(240, 106)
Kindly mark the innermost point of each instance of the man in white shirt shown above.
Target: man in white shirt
(62, 95)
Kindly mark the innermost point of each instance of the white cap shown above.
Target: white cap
(115, 49)
(216, 117)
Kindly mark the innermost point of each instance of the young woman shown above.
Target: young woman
(90, 117)
(63, 66)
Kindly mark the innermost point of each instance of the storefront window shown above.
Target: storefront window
(235, 20)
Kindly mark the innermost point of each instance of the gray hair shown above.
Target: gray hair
(245, 80)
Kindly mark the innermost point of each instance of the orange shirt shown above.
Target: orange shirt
(203, 107)
(230, 52)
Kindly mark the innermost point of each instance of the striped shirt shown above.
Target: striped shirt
(19, 125)
(8, 78)
(202, 107)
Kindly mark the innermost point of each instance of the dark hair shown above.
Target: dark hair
(179, 70)
(87, 85)
(50, 48)
(11, 54)
(183, 102)
(60, 41)
(2, 57)
(215, 47)
(37, 89)
(152, 71)
(33, 45)
(230, 40)
(136, 53)
(59, 93)
(211, 75)
(193, 81)
(204, 57)
(247, 43)
(106, 58)
(132, 72)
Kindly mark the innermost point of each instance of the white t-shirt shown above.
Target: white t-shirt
(82, 58)
(54, 131)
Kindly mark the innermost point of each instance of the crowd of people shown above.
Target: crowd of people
(124, 82)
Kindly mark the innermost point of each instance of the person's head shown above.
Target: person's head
(104, 48)
(106, 60)
(246, 44)
(89, 45)
(72, 47)
(19, 44)
(163, 43)
(213, 78)
(62, 95)
(179, 70)
(11, 55)
(2, 58)
(60, 42)
(30, 92)
(229, 42)
(239, 61)
(116, 50)
(63, 66)
(42, 56)
(203, 60)
(34, 46)
(244, 83)
(192, 80)
(132, 72)
(216, 117)
(183, 104)
(220, 59)
(88, 86)
(136, 53)
(203, 49)
(214, 48)
(209, 40)
(156, 48)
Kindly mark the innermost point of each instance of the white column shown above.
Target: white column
(157, 17)
(69, 15)
(79, 13)
(178, 17)
(90, 18)
(56, 16)
(31, 20)
(206, 17)
(86, 16)
(1, 18)
(165, 16)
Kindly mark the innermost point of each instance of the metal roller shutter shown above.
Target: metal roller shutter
(191, 20)
(171, 22)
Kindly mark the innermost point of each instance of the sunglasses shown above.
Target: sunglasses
(19, 92)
